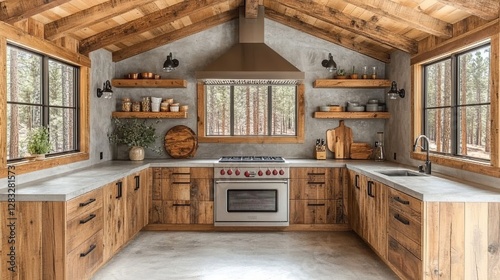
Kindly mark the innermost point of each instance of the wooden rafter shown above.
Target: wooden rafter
(175, 35)
(87, 17)
(14, 10)
(406, 15)
(143, 24)
(368, 29)
(485, 9)
(327, 36)
(251, 8)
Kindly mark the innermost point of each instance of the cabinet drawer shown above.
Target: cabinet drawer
(86, 258)
(83, 203)
(176, 190)
(408, 205)
(312, 174)
(82, 227)
(304, 189)
(410, 245)
(178, 173)
(403, 260)
(316, 211)
(404, 224)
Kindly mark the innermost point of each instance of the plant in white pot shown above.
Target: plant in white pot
(135, 134)
(38, 142)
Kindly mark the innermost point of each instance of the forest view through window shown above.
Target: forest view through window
(457, 104)
(251, 110)
(41, 91)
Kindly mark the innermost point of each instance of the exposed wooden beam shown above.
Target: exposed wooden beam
(485, 9)
(400, 13)
(15, 10)
(143, 24)
(251, 8)
(98, 13)
(175, 35)
(327, 36)
(368, 29)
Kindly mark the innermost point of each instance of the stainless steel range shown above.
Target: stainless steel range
(251, 191)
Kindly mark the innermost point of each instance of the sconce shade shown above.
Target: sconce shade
(394, 92)
(329, 63)
(170, 64)
(106, 91)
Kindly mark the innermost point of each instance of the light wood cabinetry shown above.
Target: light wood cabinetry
(182, 196)
(317, 196)
(114, 217)
(137, 202)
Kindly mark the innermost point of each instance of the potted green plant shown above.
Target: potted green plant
(340, 74)
(135, 134)
(38, 142)
(354, 75)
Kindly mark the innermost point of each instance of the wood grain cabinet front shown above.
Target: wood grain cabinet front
(137, 202)
(114, 217)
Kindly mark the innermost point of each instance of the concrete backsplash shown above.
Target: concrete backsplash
(304, 51)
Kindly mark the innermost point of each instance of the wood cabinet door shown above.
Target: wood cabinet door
(114, 217)
(137, 202)
(376, 216)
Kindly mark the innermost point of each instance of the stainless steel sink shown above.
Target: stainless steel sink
(400, 173)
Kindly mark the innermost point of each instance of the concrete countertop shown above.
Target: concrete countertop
(66, 186)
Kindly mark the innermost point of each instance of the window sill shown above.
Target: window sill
(459, 163)
(252, 139)
(31, 166)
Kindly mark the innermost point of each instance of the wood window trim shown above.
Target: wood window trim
(468, 39)
(16, 36)
(251, 139)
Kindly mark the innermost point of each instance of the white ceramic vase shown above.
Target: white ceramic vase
(136, 153)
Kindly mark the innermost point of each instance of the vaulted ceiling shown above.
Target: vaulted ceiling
(129, 27)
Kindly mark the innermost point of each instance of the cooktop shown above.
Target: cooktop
(251, 159)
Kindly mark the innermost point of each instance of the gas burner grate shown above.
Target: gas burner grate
(251, 159)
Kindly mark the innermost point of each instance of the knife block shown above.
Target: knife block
(320, 154)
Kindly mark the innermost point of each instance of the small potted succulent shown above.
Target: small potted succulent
(340, 74)
(38, 142)
(354, 75)
(135, 134)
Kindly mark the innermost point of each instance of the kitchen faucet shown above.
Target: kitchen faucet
(421, 168)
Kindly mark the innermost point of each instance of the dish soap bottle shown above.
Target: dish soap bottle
(378, 154)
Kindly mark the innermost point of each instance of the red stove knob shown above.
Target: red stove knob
(247, 174)
(260, 173)
(268, 172)
(237, 172)
(275, 172)
(222, 172)
(229, 172)
(282, 172)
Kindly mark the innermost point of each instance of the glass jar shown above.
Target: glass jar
(136, 106)
(126, 105)
(146, 104)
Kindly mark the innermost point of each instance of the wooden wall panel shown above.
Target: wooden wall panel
(476, 243)
(494, 241)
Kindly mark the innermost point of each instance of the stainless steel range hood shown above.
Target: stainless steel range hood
(251, 59)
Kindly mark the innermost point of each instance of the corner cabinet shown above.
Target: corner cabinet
(352, 83)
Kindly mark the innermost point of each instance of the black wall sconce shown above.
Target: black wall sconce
(329, 63)
(170, 64)
(394, 92)
(106, 91)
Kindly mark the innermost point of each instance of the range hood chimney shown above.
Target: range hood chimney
(251, 60)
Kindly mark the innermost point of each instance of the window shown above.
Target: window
(249, 113)
(41, 91)
(456, 115)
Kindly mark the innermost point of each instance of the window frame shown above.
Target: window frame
(464, 42)
(267, 139)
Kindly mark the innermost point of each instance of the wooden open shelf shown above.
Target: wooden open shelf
(151, 83)
(349, 83)
(352, 115)
(149, 115)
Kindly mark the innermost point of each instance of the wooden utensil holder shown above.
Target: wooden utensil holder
(320, 154)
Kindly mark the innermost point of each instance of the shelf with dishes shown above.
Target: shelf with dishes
(352, 115)
(351, 83)
(149, 83)
(150, 115)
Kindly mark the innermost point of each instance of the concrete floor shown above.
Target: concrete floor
(245, 255)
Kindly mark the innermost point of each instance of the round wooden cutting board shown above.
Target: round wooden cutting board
(181, 142)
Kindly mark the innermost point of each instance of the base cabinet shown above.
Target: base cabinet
(114, 217)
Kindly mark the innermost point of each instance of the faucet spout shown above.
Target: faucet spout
(427, 168)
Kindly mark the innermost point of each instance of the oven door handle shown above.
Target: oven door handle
(250, 181)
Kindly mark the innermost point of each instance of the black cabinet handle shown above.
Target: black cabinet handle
(91, 248)
(119, 189)
(356, 181)
(369, 189)
(402, 220)
(181, 173)
(315, 174)
(182, 204)
(398, 199)
(316, 183)
(315, 204)
(90, 217)
(181, 183)
(83, 204)
(137, 182)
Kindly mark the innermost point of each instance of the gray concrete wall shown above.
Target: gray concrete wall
(304, 51)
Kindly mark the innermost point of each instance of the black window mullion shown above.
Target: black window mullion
(45, 91)
(269, 110)
(76, 111)
(454, 101)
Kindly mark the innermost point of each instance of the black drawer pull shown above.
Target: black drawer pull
(356, 181)
(181, 173)
(182, 204)
(398, 199)
(91, 248)
(402, 220)
(369, 189)
(181, 183)
(137, 182)
(315, 204)
(315, 174)
(119, 189)
(316, 183)
(83, 204)
(90, 217)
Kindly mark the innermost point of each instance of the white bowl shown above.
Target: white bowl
(356, 109)
(324, 109)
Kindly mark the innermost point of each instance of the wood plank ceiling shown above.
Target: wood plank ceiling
(129, 27)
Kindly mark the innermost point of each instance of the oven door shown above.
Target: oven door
(251, 203)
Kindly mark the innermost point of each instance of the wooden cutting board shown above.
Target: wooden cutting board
(342, 140)
(361, 151)
(181, 142)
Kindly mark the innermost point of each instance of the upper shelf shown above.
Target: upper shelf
(149, 115)
(152, 83)
(350, 83)
(352, 115)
